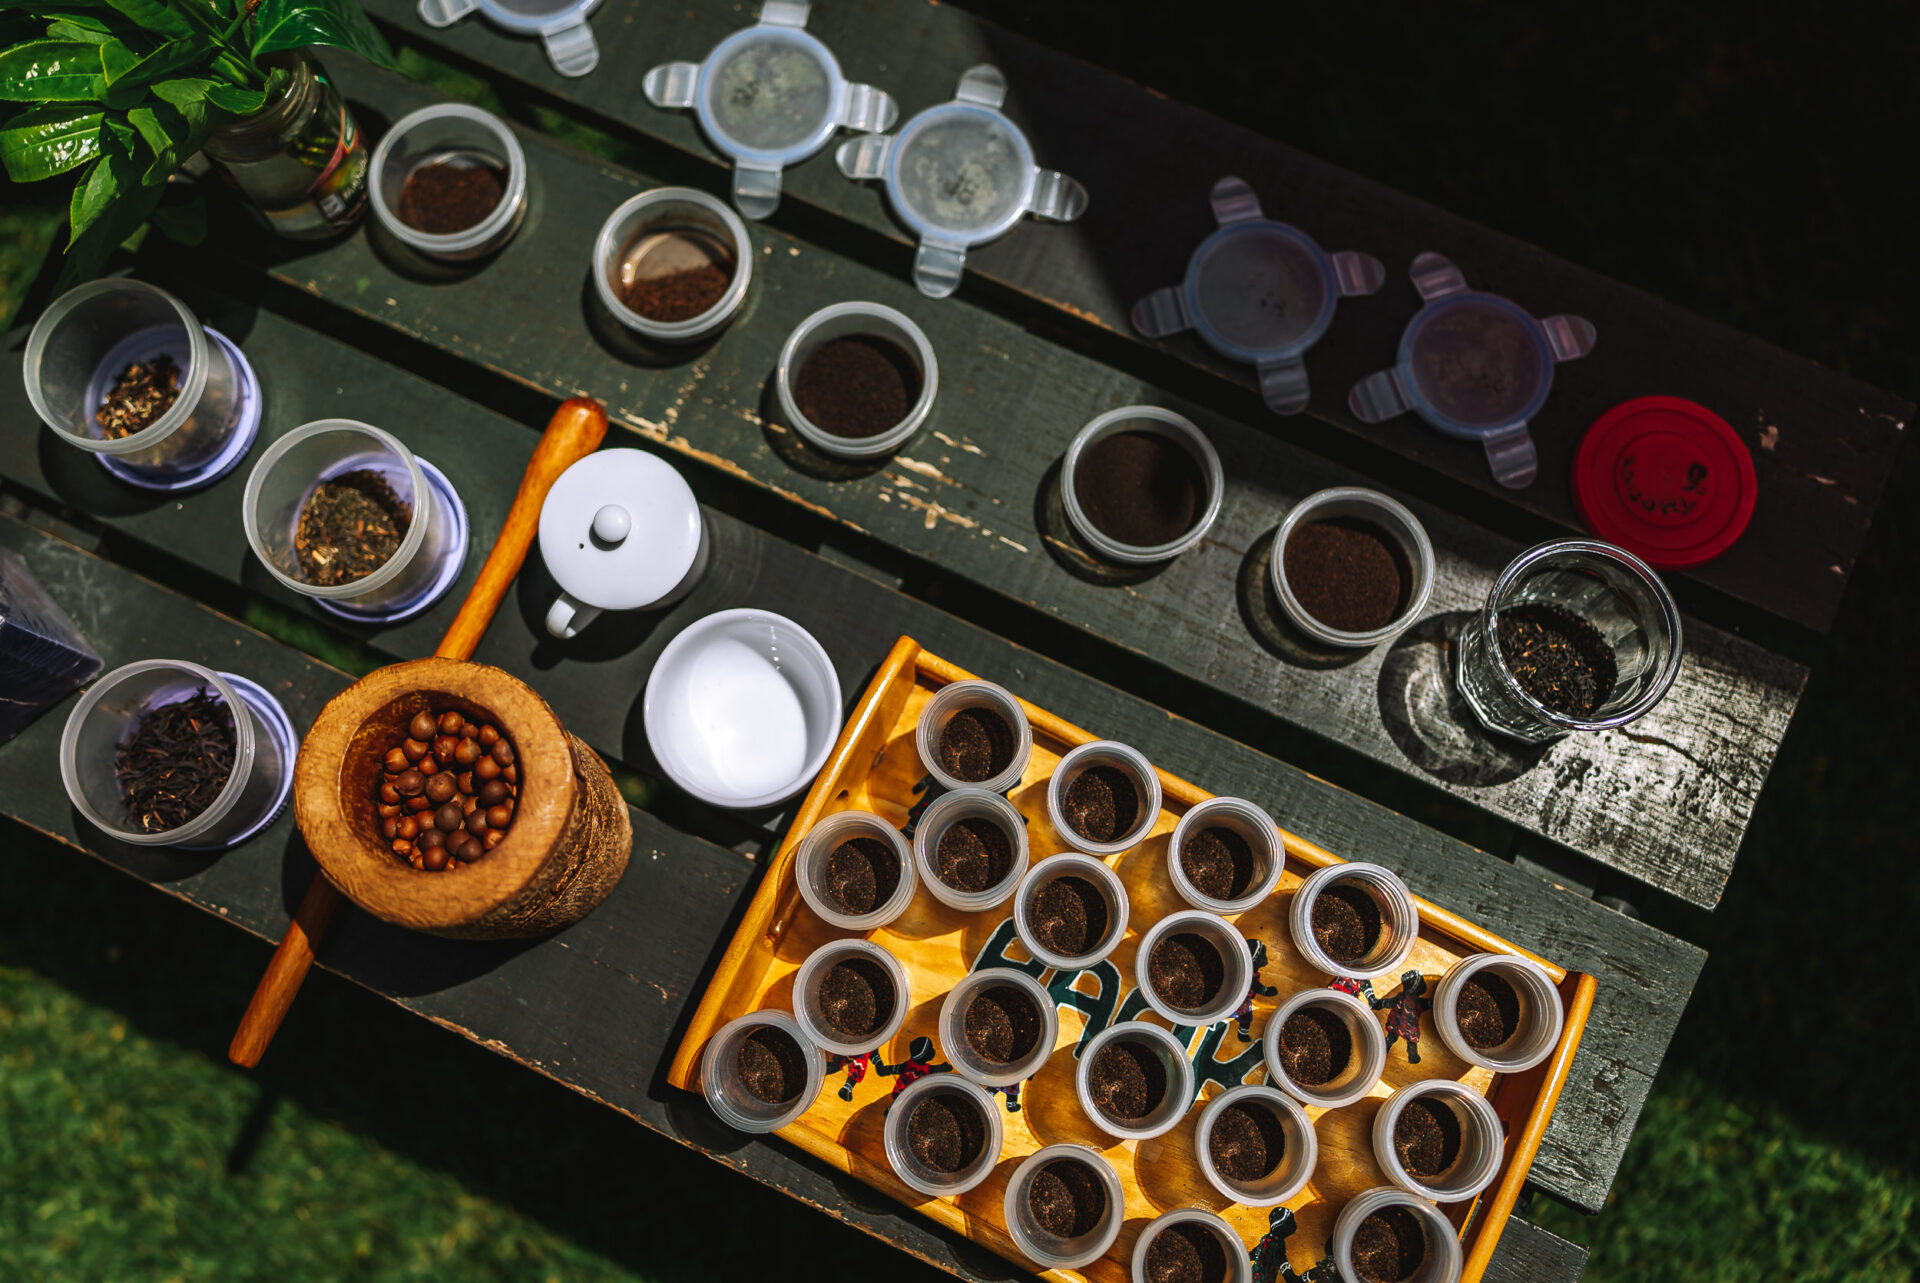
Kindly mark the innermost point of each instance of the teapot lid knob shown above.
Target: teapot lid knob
(611, 524)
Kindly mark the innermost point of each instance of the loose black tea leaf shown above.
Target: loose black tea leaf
(176, 760)
(1127, 1080)
(1557, 657)
(146, 391)
(350, 526)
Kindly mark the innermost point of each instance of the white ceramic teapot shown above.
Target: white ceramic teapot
(620, 530)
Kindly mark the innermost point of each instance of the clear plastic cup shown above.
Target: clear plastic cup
(1044, 1248)
(1239, 1264)
(955, 698)
(950, 809)
(1608, 587)
(1103, 879)
(1235, 959)
(90, 336)
(838, 321)
(1131, 763)
(667, 230)
(1482, 1141)
(1390, 516)
(1239, 816)
(1399, 919)
(953, 1027)
(430, 554)
(1444, 1259)
(1163, 423)
(1541, 1016)
(455, 134)
(907, 1165)
(1163, 1047)
(263, 752)
(1368, 1061)
(739, 1108)
(806, 997)
(810, 868)
(1295, 1168)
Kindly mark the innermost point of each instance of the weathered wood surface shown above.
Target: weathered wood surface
(1528, 1254)
(1822, 443)
(975, 493)
(1644, 976)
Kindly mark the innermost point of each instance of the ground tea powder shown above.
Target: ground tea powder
(1069, 915)
(973, 854)
(771, 1065)
(1247, 1142)
(946, 1132)
(349, 527)
(1349, 574)
(1067, 1198)
(1426, 1137)
(1186, 970)
(862, 874)
(1219, 862)
(1557, 657)
(856, 386)
(1315, 1046)
(1101, 803)
(856, 996)
(1002, 1025)
(1140, 488)
(1487, 1009)
(678, 296)
(1186, 1253)
(442, 198)
(1389, 1246)
(1346, 922)
(976, 744)
(1127, 1080)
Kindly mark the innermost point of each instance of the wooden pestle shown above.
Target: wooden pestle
(575, 431)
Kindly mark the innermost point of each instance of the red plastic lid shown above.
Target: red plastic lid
(1665, 479)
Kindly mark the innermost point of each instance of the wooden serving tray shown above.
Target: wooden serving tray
(876, 767)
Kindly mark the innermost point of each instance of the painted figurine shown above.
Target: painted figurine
(856, 1067)
(1403, 1014)
(917, 1065)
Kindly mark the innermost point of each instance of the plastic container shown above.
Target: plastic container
(430, 554)
(1363, 1069)
(1399, 919)
(1162, 1046)
(81, 346)
(1104, 880)
(1667, 479)
(1261, 292)
(810, 868)
(957, 697)
(1475, 366)
(742, 708)
(1444, 1259)
(739, 1108)
(1610, 588)
(263, 752)
(838, 321)
(668, 230)
(1296, 1165)
(560, 24)
(1235, 958)
(455, 134)
(958, 175)
(1251, 823)
(1131, 763)
(767, 98)
(1390, 516)
(1541, 1015)
(620, 530)
(907, 1165)
(1048, 1250)
(806, 997)
(1161, 423)
(969, 804)
(953, 1027)
(1482, 1141)
(42, 654)
(1239, 1264)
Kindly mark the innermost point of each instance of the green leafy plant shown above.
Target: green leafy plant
(125, 91)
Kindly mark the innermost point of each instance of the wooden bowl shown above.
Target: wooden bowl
(566, 850)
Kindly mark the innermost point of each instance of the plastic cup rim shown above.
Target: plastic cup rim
(1278, 1100)
(994, 694)
(1045, 871)
(890, 909)
(199, 354)
(771, 1017)
(1446, 998)
(1425, 567)
(1311, 887)
(693, 327)
(1143, 770)
(1175, 427)
(1179, 1086)
(1246, 811)
(934, 821)
(497, 221)
(824, 1038)
(1472, 1102)
(1111, 1220)
(1233, 987)
(1015, 1071)
(882, 442)
(1375, 1051)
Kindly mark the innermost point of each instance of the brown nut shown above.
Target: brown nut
(451, 723)
(421, 727)
(413, 749)
(498, 817)
(409, 782)
(386, 810)
(477, 823)
(449, 817)
(396, 761)
(428, 765)
(486, 769)
(488, 736)
(511, 775)
(493, 838)
(443, 746)
(441, 788)
(465, 781)
(466, 752)
(502, 752)
(416, 804)
(390, 827)
(389, 794)
(434, 859)
(430, 836)
(493, 792)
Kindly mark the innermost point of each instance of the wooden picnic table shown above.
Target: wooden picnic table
(466, 368)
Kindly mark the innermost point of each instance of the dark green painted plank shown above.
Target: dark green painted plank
(1666, 802)
(595, 683)
(1822, 443)
(1529, 1254)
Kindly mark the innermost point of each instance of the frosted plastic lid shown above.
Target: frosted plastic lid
(960, 174)
(768, 97)
(1476, 366)
(620, 529)
(1259, 291)
(560, 24)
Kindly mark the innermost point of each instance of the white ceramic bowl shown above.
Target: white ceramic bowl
(742, 708)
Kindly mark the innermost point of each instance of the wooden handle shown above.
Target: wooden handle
(575, 431)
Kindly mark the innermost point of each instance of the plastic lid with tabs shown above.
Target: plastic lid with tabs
(769, 97)
(619, 530)
(1259, 291)
(959, 175)
(1476, 366)
(1666, 479)
(560, 24)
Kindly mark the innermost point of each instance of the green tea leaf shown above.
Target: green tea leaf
(51, 71)
(121, 218)
(84, 28)
(173, 133)
(44, 141)
(114, 171)
(157, 16)
(130, 68)
(234, 99)
(298, 24)
(183, 224)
